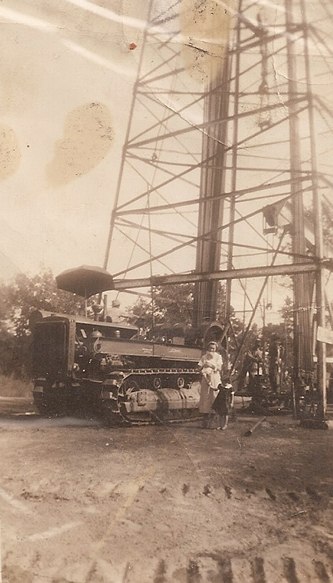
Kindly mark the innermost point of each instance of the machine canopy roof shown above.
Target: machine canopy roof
(85, 281)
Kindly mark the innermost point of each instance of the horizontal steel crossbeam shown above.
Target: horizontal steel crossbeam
(247, 272)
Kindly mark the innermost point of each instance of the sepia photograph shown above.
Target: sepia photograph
(166, 291)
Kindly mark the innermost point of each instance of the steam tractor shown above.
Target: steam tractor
(108, 368)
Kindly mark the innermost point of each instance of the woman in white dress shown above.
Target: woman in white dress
(211, 365)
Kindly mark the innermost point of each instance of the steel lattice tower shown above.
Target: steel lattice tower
(226, 158)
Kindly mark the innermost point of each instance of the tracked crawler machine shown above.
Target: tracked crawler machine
(107, 368)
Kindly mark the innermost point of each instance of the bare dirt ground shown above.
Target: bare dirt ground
(83, 503)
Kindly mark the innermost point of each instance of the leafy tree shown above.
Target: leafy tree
(287, 314)
(282, 333)
(140, 313)
(17, 302)
(38, 292)
(173, 304)
(7, 349)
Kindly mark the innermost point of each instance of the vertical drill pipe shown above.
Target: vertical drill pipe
(234, 164)
(298, 238)
(212, 184)
(318, 231)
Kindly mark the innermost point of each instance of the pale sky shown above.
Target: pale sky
(67, 72)
(66, 82)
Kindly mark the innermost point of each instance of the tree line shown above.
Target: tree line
(18, 299)
(170, 306)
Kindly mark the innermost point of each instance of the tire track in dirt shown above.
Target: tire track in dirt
(216, 567)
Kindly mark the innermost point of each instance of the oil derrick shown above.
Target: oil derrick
(224, 167)
(288, 113)
(211, 200)
(172, 160)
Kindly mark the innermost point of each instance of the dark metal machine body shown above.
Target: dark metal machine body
(107, 367)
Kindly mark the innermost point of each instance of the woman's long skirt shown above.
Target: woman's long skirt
(207, 397)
